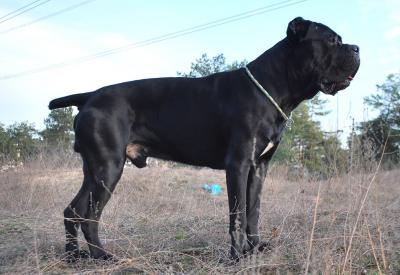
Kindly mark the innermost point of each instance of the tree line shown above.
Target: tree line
(305, 146)
(21, 141)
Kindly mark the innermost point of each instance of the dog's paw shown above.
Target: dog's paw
(73, 256)
(107, 257)
(263, 246)
(238, 253)
(260, 246)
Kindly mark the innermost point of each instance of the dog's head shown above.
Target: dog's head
(322, 56)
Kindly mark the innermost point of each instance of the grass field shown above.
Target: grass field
(159, 220)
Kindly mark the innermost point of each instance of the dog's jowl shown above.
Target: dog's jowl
(231, 120)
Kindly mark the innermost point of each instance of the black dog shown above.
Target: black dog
(223, 121)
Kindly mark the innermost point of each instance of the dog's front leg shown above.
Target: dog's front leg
(237, 172)
(254, 187)
(257, 175)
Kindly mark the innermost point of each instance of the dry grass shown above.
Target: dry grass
(161, 221)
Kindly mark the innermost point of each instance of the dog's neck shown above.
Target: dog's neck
(273, 70)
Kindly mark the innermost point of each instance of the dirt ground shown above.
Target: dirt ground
(159, 220)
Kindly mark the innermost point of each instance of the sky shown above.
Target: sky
(81, 29)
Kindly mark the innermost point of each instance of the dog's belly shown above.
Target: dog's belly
(192, 150)
(194, 144)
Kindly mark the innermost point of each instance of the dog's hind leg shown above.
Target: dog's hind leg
(73, 215)
(104, 175)
(101, 143)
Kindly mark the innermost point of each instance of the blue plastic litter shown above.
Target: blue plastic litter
(214, 189)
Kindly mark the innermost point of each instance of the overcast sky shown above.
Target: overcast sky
(100, 25)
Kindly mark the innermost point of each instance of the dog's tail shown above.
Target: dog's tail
(77, 100)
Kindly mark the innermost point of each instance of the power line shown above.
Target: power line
(23, 11)
(168, 36)
(21, 8)
(47, 16)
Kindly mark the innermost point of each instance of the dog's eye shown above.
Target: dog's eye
(333, 40)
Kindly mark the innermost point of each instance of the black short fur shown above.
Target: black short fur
(222, 121)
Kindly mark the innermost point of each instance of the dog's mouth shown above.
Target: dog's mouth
(343, 77)
(332, 87)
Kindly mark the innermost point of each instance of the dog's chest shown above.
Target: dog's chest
(269, 146)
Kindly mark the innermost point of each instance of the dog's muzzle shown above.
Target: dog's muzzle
(348, 70)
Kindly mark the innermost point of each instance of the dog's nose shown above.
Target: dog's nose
(355, 48)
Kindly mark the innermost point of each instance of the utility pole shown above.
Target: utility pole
(351, 146)
(337, 113)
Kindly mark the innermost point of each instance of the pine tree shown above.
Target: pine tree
(59, 127)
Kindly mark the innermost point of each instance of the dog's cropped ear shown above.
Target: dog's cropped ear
(297, 29)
